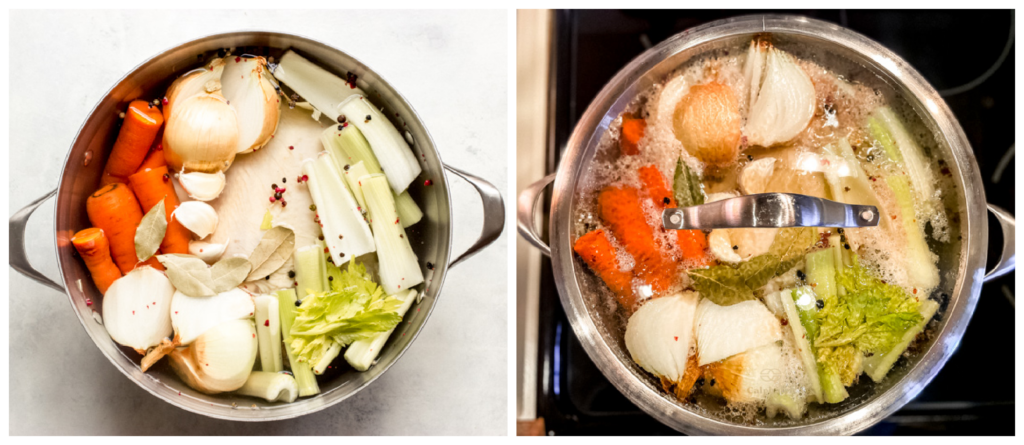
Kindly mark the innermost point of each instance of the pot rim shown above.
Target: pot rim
(316, 403)
(582, 145)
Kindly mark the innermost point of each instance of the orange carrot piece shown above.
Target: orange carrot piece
(621, 209)
(138, 131)
(632, 132)
(150, 187)
(599, 254)
(114, 209)
(692, 243)
(94, 249)
(154, 159)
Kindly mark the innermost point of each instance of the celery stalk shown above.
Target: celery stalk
(922, 272)
(878, 365)
(408, 212)
(391, 149)
(311, 269)
(832, 386)
(887, 129)
(268, 332)
(303, 374)
(821, 274)
(329, 357)
(350, 147)
(352, 175)
(345, 230)
(320, 88)
(362, 353)
(804, 333)
(399, 267)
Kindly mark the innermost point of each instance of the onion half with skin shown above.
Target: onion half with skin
(659, 335)
(201, 134)
(220, 360)
(137, 308)
(252, 96)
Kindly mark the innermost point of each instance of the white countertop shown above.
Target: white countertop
(450, 65)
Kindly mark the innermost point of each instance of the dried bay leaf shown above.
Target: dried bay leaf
(151, 232)
(270, 254)
(228, 273)
(188, 274)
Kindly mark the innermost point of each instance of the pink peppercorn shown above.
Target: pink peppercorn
(272, 199)
(428, 183)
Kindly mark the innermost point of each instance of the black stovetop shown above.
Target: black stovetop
(951, 49)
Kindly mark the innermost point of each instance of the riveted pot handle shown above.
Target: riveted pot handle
(18, 259)
(526, 204)
(1007, 261)
(494, 213)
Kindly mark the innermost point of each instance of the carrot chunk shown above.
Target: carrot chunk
(141, 123)
(94, 248)
(150, 187)
(114, 209)
(692, 243)
(621, 209)
(632, 132)
(599, 254)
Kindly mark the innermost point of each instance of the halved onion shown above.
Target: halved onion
(200, 80)
(250, 93)
(783, 103)
(137, 308)
(193, 316)
(660, 333)
(724, 331)
(202, 133)
(220, 360)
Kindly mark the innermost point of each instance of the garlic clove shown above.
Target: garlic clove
(197, 216)
(659, 335)
(785, 100)
(207, 251)
(252, 96)
(137, 308)
(724, 331)
(720, 246)
(203, 186)
(754, 177)
(191, 317)
(220, 360)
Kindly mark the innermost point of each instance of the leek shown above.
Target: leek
(320, 88)
(901, 148)
(878, 365)
(399, 267)
(268, 332)
(344, 228)
(270, 386)
(389, 146)
(922, 273)
(303, 375)
(362, 353)
(311, 269)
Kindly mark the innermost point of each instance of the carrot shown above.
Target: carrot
(621, 209)
(599, 254)
(150, 187)
(94, 248)
(632, 132)
(138, 131)
(114, 209)
(154, 159)
(692, 243)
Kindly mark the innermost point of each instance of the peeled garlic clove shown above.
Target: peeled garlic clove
(193, 316)
(203, 186)
(207, 251)
(220, 360)
(784, 104)
(724, 331)
(660, 333)
(707, 123)
(197, 216)
(137, 308)
(754, 176)
(721, 247)
(202, 134)
(247, 90)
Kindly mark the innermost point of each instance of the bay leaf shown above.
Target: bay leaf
(274, 249)
(793, 242)
(758, 270)
(151, 231)
(188, 274)
(228, 273)
(720, 284)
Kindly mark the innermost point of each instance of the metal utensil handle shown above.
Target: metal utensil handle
(494, 213)
(770, 210)
(526, 204)
(1007, 261)
(18, 258)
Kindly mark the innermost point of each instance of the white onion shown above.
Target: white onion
(193, 316)
(251, 94)
(784, 103)
(724, 331)
(197, 216)
(220, 360)
(660, 333)
(137, 307)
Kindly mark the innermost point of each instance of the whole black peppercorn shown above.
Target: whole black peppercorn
(291, 274)
(820, 304)
(430, 265)
(735, 247)
(341, 118)
(340, 127)
(346, 167)
(330, 278)
(321, 237)
(298, 303)
(312, 207)
(268, 277)
(277, 195)
(801, 275)
(284, 180)
(846, 246)
(368, 117)
(666, 200)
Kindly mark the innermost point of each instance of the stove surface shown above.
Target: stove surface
(975, 74)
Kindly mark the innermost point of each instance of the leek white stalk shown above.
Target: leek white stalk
(193, 316)
(268, 332)
(389, 146)
(399, 267)
(345, 230)
(137, 308)
(902, 150)
(362, 353)
(270, 386)
(310, 269)
(323, 90)
(304, 376)
(220, 360)
(197, 216)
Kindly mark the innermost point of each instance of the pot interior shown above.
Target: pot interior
(889, 76)
(84, 165)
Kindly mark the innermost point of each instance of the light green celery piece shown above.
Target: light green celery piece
(349, 147)
(320, 88)
(821, 274)
(352, 175)
(311, 269)
(778, 402)
(408, 212)
(852, 186)
(270, 386)
(832, 386)
(328, 357)
(835, 245)
(362, 353)
(389, 146)
(802, 324)
(901, 147)
(922, 273)
(878, 365)
(345, 230)
(268, 332)
(399, 267)
(303, 374)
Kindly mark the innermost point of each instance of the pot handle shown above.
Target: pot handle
(18, 259)
(526, 204)
(1007, 260)
(494, 213)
